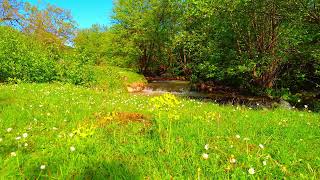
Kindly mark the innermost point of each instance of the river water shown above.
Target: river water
(183, 88)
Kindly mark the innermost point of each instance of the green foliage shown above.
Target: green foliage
(255, 45)
(23, 58)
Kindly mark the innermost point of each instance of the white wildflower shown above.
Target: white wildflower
(206, 147)
(25, 135)
(232, 160)
(205, 156)
(26, 144)
(42, 167)
(246, 139)
(306, 106)
(54, 128)
(251, 171)
(13, 154)
(9, 129)
(1, 139)
(264, 163)
(261, 146)
(238, 136)
(72, 148)
(18, 138)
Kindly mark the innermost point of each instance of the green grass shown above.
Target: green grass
(57, 117)
(110, 78)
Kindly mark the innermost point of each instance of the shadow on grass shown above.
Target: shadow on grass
(108, 170)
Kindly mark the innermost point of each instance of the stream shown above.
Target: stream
(183, 88)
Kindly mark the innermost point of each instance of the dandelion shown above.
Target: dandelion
(261, 146)
(18, 138)
(9, 129)
(251, 171)
(13, 154)
(42, 167)
(205, 156)
(238, 136)
(25, 135)
(264, 163)
(206, 147)
(72, 148)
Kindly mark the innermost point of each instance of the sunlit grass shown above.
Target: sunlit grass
(75, 132)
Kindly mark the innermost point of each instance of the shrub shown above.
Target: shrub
(23, 59)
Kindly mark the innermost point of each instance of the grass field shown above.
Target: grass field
(59, 131)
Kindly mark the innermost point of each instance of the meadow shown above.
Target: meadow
(63, 131)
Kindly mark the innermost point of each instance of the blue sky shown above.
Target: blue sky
(85, 12)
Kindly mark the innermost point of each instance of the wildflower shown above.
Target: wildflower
(264, 163)
(18, 138)
(25, 135)
(205, 156)
(71, 134)
(232, 160)
(25, 144)
(42, 167)
(206, 147)
(251, 171)
(261, 146)
(306, 106)
(246, 139)
(54, 128)
(72, 148)
(238, 136)
(9, 129)
(13, 154)
(299, 100)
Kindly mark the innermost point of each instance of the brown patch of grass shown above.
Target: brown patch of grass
(123, 118)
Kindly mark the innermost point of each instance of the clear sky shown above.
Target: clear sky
(85, 12)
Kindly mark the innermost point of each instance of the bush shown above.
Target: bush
(23, 59)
